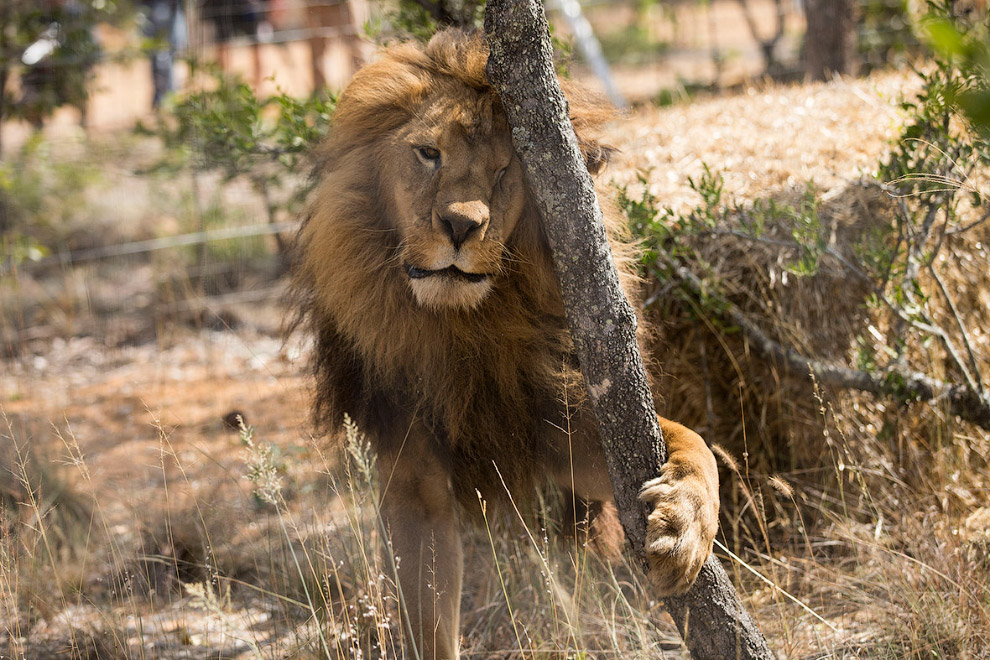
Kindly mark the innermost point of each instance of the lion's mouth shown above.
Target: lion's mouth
(450, 271)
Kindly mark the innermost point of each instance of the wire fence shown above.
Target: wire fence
(656, 47)
(76, 257)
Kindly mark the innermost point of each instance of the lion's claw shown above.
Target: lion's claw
(681, 528)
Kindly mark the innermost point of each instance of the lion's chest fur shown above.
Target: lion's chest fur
(490, 386)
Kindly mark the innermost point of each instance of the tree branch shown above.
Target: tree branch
(601, 321)
(767, 46)
(976, 380)
(898, 382)
(973, 379)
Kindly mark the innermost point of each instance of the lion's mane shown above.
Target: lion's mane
(489, 383)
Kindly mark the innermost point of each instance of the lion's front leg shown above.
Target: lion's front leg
(419, 514)
(682, 526)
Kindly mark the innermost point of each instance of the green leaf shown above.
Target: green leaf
(943, 35)
(976, 106)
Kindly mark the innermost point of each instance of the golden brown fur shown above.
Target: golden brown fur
(373, 343)
(426, 280)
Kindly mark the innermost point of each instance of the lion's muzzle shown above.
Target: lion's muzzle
(448, 287)
(461, 222)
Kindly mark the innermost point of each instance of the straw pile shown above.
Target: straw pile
(770, 144)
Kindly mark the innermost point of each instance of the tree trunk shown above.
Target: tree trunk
(602, 323)
(830, 40)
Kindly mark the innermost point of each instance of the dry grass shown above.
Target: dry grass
(129, 528)
(280, 558)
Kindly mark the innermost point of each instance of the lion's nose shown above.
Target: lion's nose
(460, 224)
(458, 229)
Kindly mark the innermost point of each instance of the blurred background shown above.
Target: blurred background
(655, 48)
(86, 84)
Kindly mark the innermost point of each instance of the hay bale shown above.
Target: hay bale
(768, 144)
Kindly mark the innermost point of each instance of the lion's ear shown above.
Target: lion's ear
(596, 155)
(589, 114)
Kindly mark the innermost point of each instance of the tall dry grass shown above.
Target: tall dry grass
(255, 569)
(863, 557)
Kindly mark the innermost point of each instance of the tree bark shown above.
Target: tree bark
(830, 39)
(601, 321)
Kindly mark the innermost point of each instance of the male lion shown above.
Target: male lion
(427, 281)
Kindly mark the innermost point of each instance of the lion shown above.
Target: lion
(424, 275)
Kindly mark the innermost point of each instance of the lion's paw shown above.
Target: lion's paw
(681, 529)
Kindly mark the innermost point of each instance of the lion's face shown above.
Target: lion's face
(456, 194)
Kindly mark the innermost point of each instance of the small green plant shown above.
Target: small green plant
(929, 174)
(228, 129)
(16, 248)
(961, 41)
(664, 229)
(43, 199)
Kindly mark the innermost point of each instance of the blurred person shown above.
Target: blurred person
(238, 18)
(165, 23)
(280, 13)
(336, 23)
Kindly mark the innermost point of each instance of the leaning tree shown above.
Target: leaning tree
(710, 616)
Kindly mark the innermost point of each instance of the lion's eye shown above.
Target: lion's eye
(429, 155)
(499, 175)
